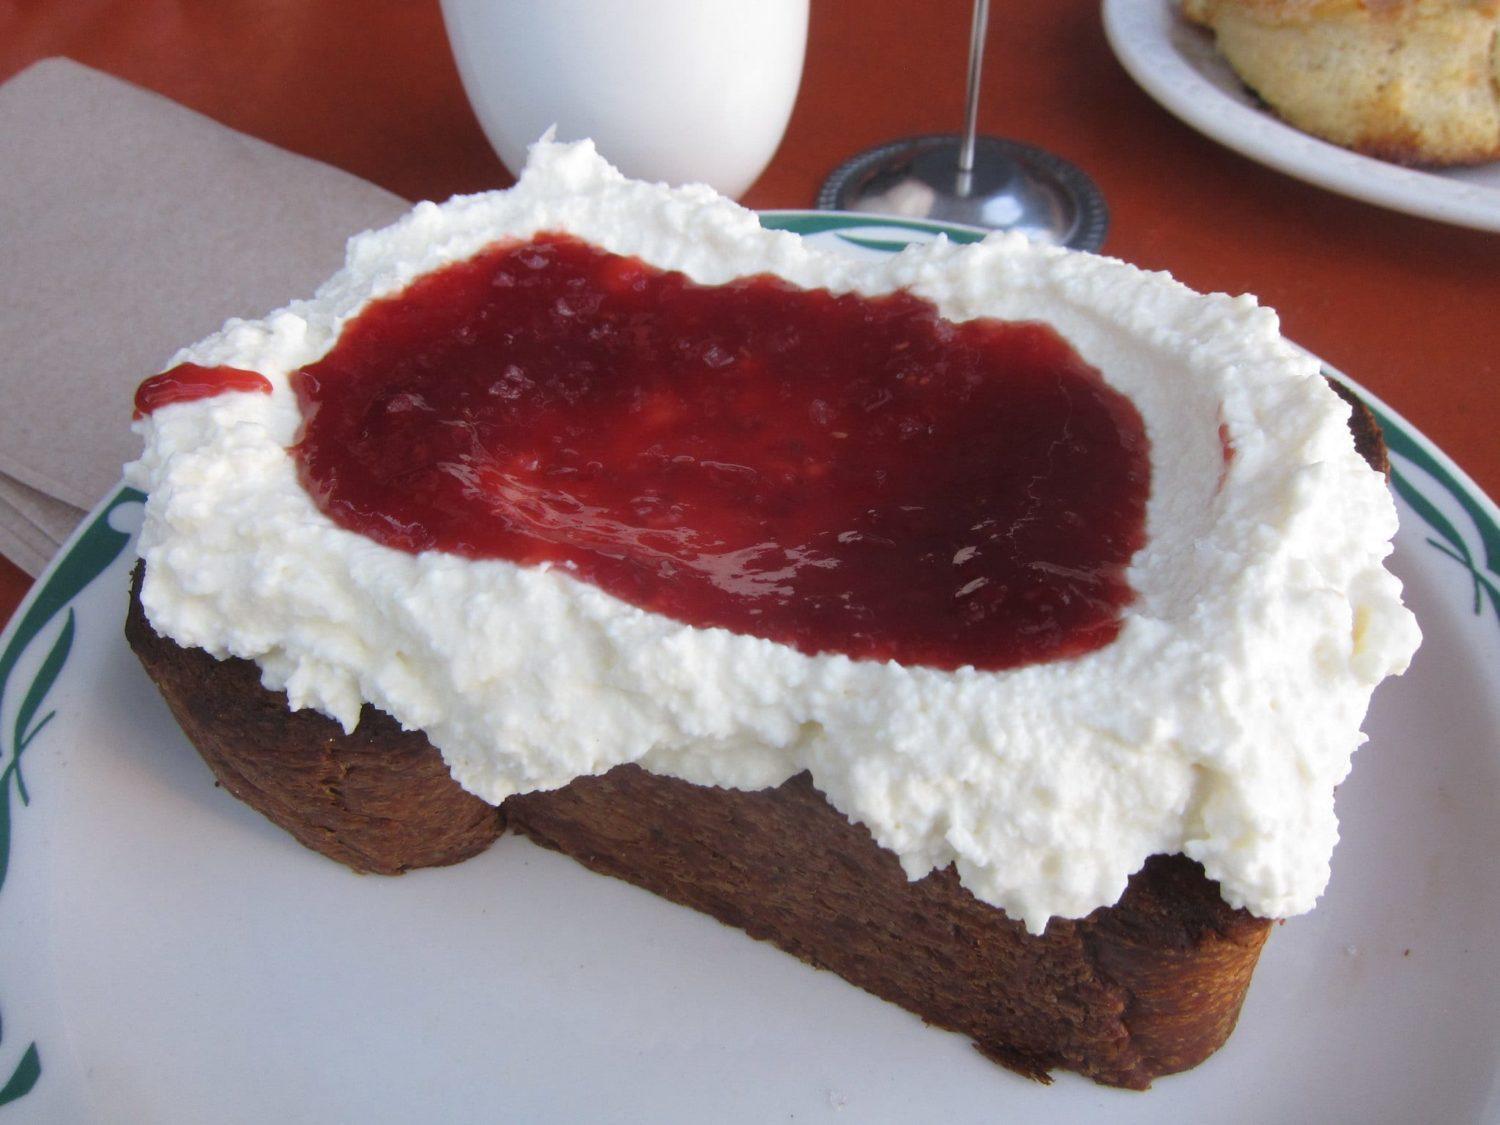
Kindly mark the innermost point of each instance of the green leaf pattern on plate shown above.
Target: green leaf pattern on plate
(91, 553)
(1481, 559)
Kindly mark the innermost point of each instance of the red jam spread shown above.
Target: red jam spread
(838, 473)
(188, 382)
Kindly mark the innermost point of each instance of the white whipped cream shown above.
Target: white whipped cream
(1217, 724)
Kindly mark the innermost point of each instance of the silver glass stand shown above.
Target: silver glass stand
(966, 178)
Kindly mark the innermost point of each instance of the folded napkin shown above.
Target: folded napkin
(130, 226)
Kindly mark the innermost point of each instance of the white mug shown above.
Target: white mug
(675, 90)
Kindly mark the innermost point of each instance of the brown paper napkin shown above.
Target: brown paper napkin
(130, 226)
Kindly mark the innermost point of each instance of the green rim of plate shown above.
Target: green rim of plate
(838, 222)
(86, 556)
(1422, 475)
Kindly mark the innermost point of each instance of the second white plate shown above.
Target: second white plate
(1177, 65)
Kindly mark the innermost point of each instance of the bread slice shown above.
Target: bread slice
(1149, 986)
(1411, 81)
(1146, 987)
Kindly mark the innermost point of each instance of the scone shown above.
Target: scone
(989, 624)
(1411, 81)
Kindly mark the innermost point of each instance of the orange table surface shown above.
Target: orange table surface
(1410, 308)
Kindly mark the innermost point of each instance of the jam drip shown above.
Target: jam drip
(188, 382)
(839, 473)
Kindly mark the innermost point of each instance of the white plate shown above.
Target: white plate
(1177, 65)
(172, 957)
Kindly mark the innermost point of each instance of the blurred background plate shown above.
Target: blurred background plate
(1177, 65)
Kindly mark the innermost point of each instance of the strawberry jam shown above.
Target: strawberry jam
(188, 382)
(839, 473)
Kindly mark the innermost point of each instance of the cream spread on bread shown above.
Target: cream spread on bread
(1216, 724)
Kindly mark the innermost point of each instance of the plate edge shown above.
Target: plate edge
(1471, 216)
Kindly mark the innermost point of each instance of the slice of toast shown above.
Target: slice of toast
(1148, 986)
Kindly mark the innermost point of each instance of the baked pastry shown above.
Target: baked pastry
(916, 640)
(1411, 81)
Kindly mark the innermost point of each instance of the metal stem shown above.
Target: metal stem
(971, 107)
(982, 181)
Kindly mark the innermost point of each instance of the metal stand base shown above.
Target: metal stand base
(1012, 186)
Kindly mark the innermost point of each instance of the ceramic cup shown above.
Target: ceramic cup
(673, 90)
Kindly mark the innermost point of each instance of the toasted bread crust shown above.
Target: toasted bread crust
(379, 800)
(1146, 987)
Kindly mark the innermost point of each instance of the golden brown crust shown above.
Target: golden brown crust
(1410, 81)
(1296, 11)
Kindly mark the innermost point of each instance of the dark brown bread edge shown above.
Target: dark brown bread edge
(1149, 986)
(1369, 442)
(378, 800)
